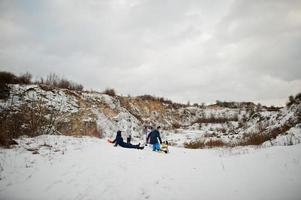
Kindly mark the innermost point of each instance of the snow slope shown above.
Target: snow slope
(62, 167)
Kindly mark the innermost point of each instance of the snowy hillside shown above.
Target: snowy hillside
(57, 159)
(64, 167)
(41, 109)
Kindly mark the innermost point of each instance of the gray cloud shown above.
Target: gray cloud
(193, 50)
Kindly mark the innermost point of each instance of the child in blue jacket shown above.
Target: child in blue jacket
(154, 137)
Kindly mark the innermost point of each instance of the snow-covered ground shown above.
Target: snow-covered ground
(61, 167)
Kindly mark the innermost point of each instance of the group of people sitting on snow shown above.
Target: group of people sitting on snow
(152, 136)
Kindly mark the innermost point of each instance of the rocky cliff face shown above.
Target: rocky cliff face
(36, 109)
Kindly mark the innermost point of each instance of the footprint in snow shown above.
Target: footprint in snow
(146, 196)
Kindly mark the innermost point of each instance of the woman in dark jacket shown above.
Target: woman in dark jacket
(119, 141)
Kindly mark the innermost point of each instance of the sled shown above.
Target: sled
(110, 141)
(164, 147)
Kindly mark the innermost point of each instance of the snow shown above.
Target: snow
(110, 101)
(181, 136)
(57, 99)
(104, 123)
(89, 168)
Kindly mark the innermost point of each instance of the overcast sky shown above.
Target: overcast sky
(196, 50)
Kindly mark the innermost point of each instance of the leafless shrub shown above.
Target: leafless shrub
(176, 125)
(6, 128)
(215, 120)
(54, 81)
(51, 80)
(7, 78)
(233, 104)
(25, 78)
(253, 139)
(147, 97)
(292, 100)
(278, 130)
(66, 84)
(201, 144)
(110, 91)
(10, 78)
(4, 91)
(298, 97)
(46, 87)
(261, 137)
(30, 119)
(162, 100)
(198, 144)
(215, 143)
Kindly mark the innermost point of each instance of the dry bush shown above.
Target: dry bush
(148, 98)
(273, 108)
(5, 133)
(66, 84)
(215, 143)
(46, 87)
(279, 130)
(198, 144)
(11, 123)
(110, 92)
(214, 120)
(201, 144)
(10, 78)
(54, 81)
(253, 139)
(11, 126)
(261, 137)
(7, 78)
(6, 141)
(233, 104)
(25, 78)
(30, 119)
(162, 100)
(176, 125)
(4, 91)
(292, 100)
(298, 97)
(34, 118)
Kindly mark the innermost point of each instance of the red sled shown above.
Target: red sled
(110, 141)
